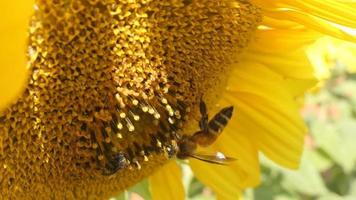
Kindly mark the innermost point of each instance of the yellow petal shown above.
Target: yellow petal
(298, 87)
(266, 108)
(224, 180)
(224, 196)
(330, 10)
(318, 15)
(313, 23)
(339, 12)
(13, 38)
(297, 76)
(288, 56)
(166, 183)
(284, 62)
(283, 24)
(282, 40)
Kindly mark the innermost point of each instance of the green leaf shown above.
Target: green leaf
(320, 161)
(345, 90)
(332, 196)
(353, 187)
(122, 196)
(347, 130)
(338, 141)
(306, 180)
(142, 189)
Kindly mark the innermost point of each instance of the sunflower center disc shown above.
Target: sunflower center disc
(113, 85)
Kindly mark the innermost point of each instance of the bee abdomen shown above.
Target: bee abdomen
(220, 120)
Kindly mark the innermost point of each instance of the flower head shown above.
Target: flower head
(115, 84)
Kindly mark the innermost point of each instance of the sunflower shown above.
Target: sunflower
(114, 85)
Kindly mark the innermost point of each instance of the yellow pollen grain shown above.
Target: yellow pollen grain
(120, 126)
(170, 120)
(164, 101)
(159, 143)
(131, 128)
(157, 115)
(136, 117)
(123, 115)
(151, 111)
(135, 102)
(144, 108)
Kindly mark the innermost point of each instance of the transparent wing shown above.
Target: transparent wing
(217, 158)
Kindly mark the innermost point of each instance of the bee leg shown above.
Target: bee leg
(107, 145)
(99, 151)
(203, 123)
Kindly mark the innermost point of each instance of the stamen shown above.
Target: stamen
(157, 115)
(129, 124)
(171, 120)
(120, 126)
(135, 117)
(170, 110)
(135, 102)
(159, 143)
(151, 110)
(123, 115)
(144, 107)
(138, 166)
(164, 101)
(101, 157)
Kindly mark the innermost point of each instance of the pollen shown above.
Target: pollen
(113, 85)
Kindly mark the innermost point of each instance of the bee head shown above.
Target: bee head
(186, 147)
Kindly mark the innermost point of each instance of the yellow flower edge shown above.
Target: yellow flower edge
(13, 39)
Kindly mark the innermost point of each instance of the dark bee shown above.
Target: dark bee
(117, 162)
(209, 132)
(110, 162)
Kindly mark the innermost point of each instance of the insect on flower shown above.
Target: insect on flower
(209, 132)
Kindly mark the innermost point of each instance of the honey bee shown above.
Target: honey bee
(181, 147)
(209, 132)
(117, 162)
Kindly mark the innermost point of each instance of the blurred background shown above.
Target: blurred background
(328, 166)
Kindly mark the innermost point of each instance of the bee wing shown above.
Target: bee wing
(219, 158)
